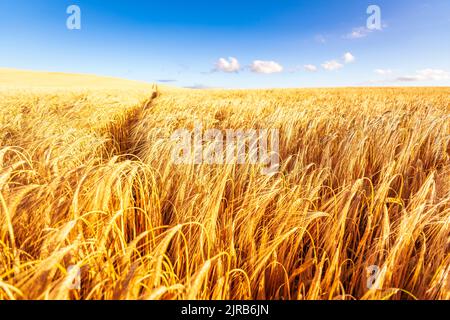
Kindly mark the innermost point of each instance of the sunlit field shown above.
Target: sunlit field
(89, 193)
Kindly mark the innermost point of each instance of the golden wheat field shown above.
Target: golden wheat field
(86, 180)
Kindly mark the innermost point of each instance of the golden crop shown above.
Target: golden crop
(86, 179)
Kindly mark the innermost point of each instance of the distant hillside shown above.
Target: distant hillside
(12, 78)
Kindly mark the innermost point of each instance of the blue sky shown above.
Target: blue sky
(279, 43)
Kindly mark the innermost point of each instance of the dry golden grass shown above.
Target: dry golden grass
(86, 179)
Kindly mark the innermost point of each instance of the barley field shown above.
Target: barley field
(89, 193)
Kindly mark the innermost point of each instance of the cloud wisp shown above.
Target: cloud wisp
(320, 39)
(426, 75)
(266, 67)
(166, 80)
(310, 68)
(198, 86)
(358, 33)
(332, 65)
(362, 32)
(383, 72)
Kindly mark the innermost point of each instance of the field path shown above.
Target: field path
(122, 135)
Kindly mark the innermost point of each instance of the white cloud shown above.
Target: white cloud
(349, 58)
(332, 65)
(383, 72)
(426, 75)
(266, 67)
(310, 67)
(230, 65)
